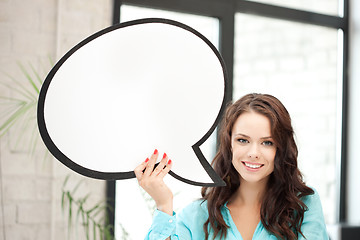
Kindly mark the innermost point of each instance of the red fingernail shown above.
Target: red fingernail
(147, 160)
(164, 156)
(156, 151)
(169, 162)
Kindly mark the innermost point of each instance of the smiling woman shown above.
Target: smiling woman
(265, 196)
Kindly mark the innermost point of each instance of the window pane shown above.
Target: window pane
(331, 7)
(207, 26)
(134, 208)
(298, 64)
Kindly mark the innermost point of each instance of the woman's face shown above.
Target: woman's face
(253, 148)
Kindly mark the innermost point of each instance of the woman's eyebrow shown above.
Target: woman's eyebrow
(266, 137)
(244, 135)
(241, 134)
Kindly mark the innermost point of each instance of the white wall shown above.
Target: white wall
(30, 188)
(353, 176)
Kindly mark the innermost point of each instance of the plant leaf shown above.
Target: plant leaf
(63, 200)
(29, 78)
(20, 89)
(76, 187)
(69, 211)
(13, 118)
(40, 80)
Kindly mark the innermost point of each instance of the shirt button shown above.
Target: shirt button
(170, 221)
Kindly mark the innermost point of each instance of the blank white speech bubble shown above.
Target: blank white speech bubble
(131, 88)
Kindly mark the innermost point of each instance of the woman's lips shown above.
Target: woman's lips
(252, 166)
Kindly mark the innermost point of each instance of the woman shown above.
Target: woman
(265, 197)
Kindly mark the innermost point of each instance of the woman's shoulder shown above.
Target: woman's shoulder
(313, 225)
(313, 204)
(311, 198)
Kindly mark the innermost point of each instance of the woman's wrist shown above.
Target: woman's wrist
(166, 208)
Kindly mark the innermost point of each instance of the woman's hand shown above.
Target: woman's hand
(151, 180)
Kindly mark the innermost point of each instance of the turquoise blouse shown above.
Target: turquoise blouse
(188, 224)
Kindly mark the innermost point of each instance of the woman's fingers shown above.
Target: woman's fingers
(160, 166)
(166, 169)
(151, 163)
(139, 170)
(149, 169)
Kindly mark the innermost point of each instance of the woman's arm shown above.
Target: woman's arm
(163, 226)
(166, 224)
(151, 180)
(186, 225)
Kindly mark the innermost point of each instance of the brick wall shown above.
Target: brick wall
(30, 33)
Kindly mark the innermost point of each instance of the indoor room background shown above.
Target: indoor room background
(303, 52)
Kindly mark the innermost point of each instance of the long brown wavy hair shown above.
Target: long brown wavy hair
(282, 210)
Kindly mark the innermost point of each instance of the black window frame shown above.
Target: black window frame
(225, 12)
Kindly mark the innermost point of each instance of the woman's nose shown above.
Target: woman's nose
(253, 152)
(253, 155)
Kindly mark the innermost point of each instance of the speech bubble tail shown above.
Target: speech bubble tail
(216, 179)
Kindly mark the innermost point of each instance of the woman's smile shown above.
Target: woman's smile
(252, 166)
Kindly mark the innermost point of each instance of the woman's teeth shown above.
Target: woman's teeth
(253, 165)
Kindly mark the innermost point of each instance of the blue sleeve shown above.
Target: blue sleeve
(184, 226)
(313, 226)
(163, 226)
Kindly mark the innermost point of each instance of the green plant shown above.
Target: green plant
(18, 111)
(92, 218)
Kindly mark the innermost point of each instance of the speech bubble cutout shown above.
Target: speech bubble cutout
(128, 89)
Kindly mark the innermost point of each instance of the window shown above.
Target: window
(298, 64)
(295, 50)
(331, 7)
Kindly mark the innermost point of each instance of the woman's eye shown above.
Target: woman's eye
(268, 143)
(241, 140)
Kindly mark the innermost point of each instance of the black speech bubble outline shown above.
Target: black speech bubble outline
(217, 181)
